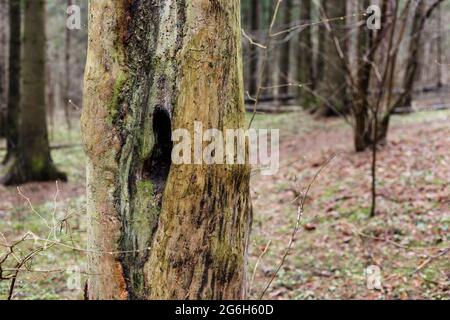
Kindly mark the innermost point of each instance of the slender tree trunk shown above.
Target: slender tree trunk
(333, 86)
(50, 100)
(254, 52)
(32, 160)
(67, 47)
(268, 69)
(320, 54)
(12, 113)
(305, 55)
(360, 102)
(3, 65)
(413, 63)
(285, 53)
(159, 230)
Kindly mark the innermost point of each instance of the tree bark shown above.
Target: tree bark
(305, 55)
(159, 230)
(31, 160)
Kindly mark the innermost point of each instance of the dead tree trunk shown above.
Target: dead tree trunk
(158, 230)
(31, 160)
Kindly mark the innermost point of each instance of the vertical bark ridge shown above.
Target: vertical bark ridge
(199, 247)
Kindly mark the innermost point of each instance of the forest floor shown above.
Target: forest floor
(336, 241)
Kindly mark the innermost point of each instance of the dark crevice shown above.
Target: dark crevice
(157, 166)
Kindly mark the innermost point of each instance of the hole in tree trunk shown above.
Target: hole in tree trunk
(157, 167)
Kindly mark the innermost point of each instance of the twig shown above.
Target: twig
(431, 259)
(300, 210)
(246, 36)
(263, 253)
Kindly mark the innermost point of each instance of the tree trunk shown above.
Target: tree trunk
(268, 72)
(254, 52)
(333, 85)
(12, 112)
(412, 64)
(31, 160)
(360, 94)
(3, 66)
(67, 48)
(305, 55)
(320, 58)
(285, 53)
(159, 230)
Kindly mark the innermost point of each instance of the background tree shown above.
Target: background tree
(12, 113)
(332, 87)
(3, 64)
(305, 67)
(422, 13)
(67, 74)
(183, 229)
(284, 53)
(373, 90)
(269, 68)
(255, 9)
(31, 160)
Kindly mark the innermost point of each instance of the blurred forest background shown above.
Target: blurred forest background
(364, 122)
